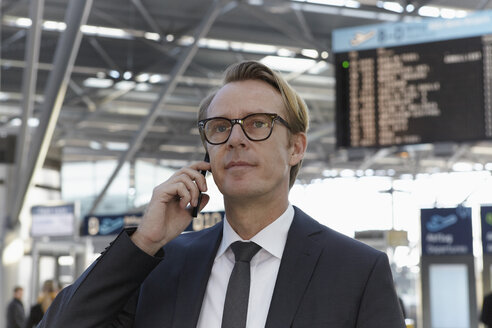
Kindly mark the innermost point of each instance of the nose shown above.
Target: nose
(237, 137)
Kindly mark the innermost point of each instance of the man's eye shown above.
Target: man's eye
(260, 124)
(221, 128)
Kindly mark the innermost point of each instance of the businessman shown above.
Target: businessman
(267, 264)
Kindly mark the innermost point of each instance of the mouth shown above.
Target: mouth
(238, 164)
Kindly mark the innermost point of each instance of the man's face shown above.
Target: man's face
(243, 168)
(18, 294)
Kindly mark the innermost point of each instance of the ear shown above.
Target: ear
(297, 148)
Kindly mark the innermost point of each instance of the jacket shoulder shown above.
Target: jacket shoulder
(330, 239)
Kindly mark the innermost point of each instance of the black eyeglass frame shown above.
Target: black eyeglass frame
(240, 121)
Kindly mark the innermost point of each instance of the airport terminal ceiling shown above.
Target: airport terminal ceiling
(129, 55)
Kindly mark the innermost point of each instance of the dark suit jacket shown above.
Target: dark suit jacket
(325, 280)
(486, 315)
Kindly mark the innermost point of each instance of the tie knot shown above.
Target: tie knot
(244, 251)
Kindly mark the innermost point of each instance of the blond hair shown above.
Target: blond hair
(296, 109)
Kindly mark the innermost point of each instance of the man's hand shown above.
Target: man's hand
(168, 213)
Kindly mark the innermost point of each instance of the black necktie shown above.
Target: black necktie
(237, 295)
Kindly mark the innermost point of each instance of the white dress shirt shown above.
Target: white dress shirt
(264, 270)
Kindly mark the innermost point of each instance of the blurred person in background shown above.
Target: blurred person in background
(46, 297)
(486, 315)
(15, 309)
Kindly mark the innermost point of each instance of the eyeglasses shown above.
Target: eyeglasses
(256, 127)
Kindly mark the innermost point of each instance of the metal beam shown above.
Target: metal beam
(103, 54)
(29, 78)
(304, 25)
(56, 87)
(91, 106)
(282, 27)
(180, 67)
(483, 4)
(146, 15)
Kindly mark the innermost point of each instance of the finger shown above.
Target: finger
(203, 203)
(190, 185)
(183, 193)
(198, 166)
(197, 177)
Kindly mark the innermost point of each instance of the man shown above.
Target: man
(15, 310)
(486, 314)
(301, 273)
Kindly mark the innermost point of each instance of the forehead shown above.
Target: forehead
(238, 99)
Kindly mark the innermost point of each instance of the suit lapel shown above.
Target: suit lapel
(200, 256)
(298, 263)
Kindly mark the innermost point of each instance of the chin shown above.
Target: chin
(240, 188)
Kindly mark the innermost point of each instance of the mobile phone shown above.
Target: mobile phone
(204, 173)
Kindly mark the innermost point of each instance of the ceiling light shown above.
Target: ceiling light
(95, 145)
(324, 54)
(127, 75)
(93, 82)
(347, 173)
(23, 22)
(214, 44)
(186, 40)
(429, 11)
(4, 96)
(114, 74)
(462, 167)
(55, 26)
(152, 36)
(311, 53)
(259, 48)
(461, 13)
(105, 31)
(288, 64)
(448, 13)
(33, 122)
(155, 78)
(393, 6)
(330, 173)
(338, 3)
(352, 4)
(283, 52)
(124, 85)
(478, 167)
(169, 38)
(15, 121)
(116, 145)
(143, 77)
(142, 87)
(410, 8)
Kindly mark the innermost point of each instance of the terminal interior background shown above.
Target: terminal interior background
(102, 116)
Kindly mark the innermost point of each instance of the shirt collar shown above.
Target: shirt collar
(272, 238)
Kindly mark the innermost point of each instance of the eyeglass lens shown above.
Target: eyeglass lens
(256, 127)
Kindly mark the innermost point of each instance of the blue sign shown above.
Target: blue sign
(446, 231)
(104, 225)
(405, 33)
(486, 219)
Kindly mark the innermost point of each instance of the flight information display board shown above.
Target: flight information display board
(410, 83)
